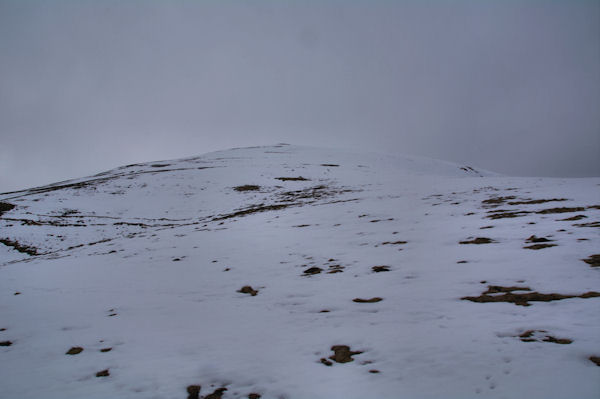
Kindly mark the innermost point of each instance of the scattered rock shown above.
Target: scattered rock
(537, 239)
(193, 391)
(299, 178)
(74, 350)
(540, 335)
(248, 290)
(572, 218)
(379, 269)
(595, 359)
(313, 270)
(247, 187)
(522, 299)
(326, 362)
(372, 300)
(561, 210)
(335, 269)
(539, 246)
(593, 260)
(343, 354)
(5, 207)
(103, 373)
(6, 343)
(478, 240)
(217, 394)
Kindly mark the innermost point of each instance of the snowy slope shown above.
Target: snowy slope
(148, 260)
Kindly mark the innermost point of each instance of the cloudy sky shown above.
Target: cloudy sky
(512, 86)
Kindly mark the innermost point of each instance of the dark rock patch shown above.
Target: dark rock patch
(326, 362)
(74, 350)
(253, 209)
(593, 260)
(104, 350)
(373, 371)
(5, 207)
(331, 165)
(253, 396)
(393, 242)
(504, 214)
(26, 249)
(537, 239)
(371, 300)
(160, 165)
(299, 178)
(193, 391)
(312, 270)
(248, 290)
(539, 246)
(462, 261)
(302, 225)
(103, 373)
(541, 336)
(486, 227)
(561, 210)
(217, 394)
(573, 218)
(17, 293)
(379, 269)
(478, 240)
(495, 201)
(247, 187)
(538, 201)
(595, 360)
(591, 224)
(507, 295)
(6, 343)
(343, 354)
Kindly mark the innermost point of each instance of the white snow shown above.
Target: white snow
(159, 247)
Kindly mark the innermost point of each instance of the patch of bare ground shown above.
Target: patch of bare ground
(248, 290)
(74, 350)
(104, 350)
(534, 239)
(505, 214)
(252, 209)
(591, 224)
(593, 260)
(496, 293)
(103, 373)
(595, 360)
(541, 336)
(299, 178)
(371, 300)
(193, 391)
(217, 394)
(394, 242)
(561, 210)
(312, 270)
(5, 207)
(495, 201)
(343, 354)
(26, 249)
(593, 207)
(247, 187)
(379, 269)
(572, 218)
(332, 269)
(537, 201)
(478, 240)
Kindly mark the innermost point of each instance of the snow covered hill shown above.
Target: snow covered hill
(297, 272)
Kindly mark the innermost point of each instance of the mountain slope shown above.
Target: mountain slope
(438, 274)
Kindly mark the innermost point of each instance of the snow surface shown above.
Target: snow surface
(148, 260)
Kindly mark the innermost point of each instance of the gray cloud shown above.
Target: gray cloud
(508, 86)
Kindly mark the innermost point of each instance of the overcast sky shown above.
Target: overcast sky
(511, 86)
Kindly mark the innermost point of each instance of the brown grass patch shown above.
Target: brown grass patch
(343, 354)
(478, 240)
(522, 299)
(593, 260)
(247, 187)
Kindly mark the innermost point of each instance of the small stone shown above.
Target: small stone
(74, 350)
(248, 290)
(313, 270)
(104, 350)
(103, 373)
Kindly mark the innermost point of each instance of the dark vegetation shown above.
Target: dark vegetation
(530, 336)
(247, 187)
(248, 290)
(507, 295)
(5, 207)
(593, 260)
(26, 249)
(343, 354)
(478, 240)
